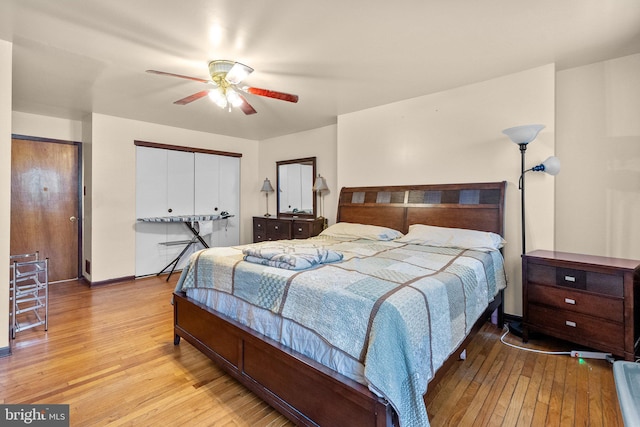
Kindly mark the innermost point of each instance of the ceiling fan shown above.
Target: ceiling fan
(226, 92)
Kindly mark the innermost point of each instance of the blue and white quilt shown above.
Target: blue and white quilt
(399, 309)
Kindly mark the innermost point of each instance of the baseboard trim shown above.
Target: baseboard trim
(5, 351)
(111, 281)
(512, 318)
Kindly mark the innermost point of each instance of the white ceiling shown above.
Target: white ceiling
(72, 57)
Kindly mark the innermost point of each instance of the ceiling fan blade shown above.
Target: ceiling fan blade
(272, 94)
(246, 107)
(238, 73)
(191, 98)
(164, 73)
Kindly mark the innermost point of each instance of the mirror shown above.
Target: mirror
(295, 187)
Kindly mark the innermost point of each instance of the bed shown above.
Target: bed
(316, 375)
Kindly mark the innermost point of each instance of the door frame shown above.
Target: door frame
(79, 191)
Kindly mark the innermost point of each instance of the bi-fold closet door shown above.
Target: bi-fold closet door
(174, 183)
(217, 190)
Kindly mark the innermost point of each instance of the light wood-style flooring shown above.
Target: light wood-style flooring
(109, 354)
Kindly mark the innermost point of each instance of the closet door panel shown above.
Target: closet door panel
(228, 230)
(207, 197)
(151, 182)
(180, 196)
(180, 189)
(151, 201)
(151, 254)
(207, 193)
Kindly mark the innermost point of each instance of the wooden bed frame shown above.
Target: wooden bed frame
(303, 390)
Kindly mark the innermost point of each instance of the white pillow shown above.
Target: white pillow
(361, 231)
(429, 235)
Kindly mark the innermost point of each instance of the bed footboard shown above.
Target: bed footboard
(300, 388)
(303, 390)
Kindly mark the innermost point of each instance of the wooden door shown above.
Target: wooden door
(45, 195)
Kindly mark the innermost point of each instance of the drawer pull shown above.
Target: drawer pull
(569, 278)
(570, 323)
(300, 230)
(570, 301)
(276, 227)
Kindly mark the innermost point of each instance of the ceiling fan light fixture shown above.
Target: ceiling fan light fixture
(217, 96)
(233, 98)
(226, 77)
(238, 73)
(220, 66)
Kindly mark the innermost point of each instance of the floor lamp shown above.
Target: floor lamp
(266, 189)
(523, 135)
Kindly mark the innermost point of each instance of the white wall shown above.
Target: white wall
(5, 189)
(112, 211)
(319, 143)
(46, 127)
(598, 141)
(455, 136)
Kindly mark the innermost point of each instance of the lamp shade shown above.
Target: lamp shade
(266, 186)
(550, 166)
(320, 184)
(523, 134)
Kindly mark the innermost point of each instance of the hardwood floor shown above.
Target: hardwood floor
(109, 354)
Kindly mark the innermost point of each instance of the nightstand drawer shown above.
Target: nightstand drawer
(576, 301)
(577, 327)
(602, 283)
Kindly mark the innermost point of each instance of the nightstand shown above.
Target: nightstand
(588, 300)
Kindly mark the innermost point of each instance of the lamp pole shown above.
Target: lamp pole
(523, 148)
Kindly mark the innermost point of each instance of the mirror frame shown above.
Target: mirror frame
(305, 160)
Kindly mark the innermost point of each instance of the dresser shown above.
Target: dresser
(588, 300)
(273, 228)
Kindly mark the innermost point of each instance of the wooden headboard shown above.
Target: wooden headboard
(476, 206)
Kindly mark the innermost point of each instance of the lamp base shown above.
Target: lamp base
(267, 215)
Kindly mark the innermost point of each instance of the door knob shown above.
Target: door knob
(72, 219)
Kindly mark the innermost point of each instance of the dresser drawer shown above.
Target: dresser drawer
(302, 229)
(576, 301)
(278, 230)
(259, 229)
(573, 278)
